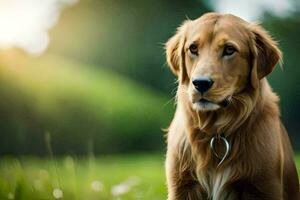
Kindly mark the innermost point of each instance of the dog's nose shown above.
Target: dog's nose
(202, 84)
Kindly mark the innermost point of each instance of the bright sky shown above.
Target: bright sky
(25, 23)
(252, 10)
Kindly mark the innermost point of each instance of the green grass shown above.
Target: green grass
(135, 176)
(298, 163)
(84, 178)
(139, 176)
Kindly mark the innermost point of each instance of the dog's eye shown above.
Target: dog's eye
(229, 50)
(194, 49)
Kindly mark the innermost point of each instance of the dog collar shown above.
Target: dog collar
(220, 138)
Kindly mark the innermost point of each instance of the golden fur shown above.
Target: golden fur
(260, 164)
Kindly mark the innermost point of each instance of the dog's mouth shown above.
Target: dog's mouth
(204, 104)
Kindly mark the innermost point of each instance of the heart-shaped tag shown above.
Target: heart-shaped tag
(213, 141)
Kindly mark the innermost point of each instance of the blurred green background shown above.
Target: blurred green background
(102, 87)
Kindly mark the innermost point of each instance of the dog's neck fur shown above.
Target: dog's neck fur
(238, 118)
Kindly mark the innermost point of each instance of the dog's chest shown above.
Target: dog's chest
(214, 184)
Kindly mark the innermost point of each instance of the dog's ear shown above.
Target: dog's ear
(265, 52)
(175, 52)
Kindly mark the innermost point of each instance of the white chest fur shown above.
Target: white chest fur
(214, 183)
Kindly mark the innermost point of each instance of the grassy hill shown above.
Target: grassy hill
(78, 105)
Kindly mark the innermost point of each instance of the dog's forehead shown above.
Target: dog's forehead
(218, 27)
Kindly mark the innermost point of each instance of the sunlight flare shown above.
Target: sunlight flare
(25, 23)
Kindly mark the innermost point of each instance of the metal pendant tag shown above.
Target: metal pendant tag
(227, 147)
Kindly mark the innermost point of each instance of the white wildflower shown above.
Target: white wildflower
(58, 193)
(124, 187)
(120, 189)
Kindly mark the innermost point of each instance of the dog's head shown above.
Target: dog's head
(218, 56)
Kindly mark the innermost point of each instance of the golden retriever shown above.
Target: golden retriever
(226, 140)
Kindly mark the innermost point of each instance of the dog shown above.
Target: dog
(226, 140)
